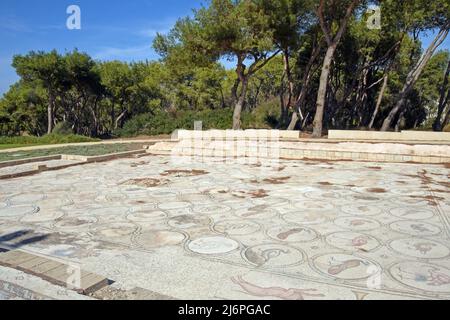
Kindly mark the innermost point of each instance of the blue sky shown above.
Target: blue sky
(113, 29)
(110, 29)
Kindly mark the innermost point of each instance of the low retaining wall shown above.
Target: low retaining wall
(389, 136)
(235, 134)
(356, 151)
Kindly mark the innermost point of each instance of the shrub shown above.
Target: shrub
(62, 128)
(162, 122)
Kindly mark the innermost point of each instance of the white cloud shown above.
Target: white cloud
(128, 53)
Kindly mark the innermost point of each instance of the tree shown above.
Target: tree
(443, 99)
(47, 69)
(420, 16)
(238, 30)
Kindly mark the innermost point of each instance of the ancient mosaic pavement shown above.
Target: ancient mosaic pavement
(300, 230)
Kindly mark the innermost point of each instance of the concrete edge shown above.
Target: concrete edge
(83, 160)
(12, 163)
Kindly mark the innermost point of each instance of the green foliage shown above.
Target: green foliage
(162, 122)
(47, 139)
(62, 128)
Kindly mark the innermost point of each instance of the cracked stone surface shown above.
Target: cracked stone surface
(214, 230)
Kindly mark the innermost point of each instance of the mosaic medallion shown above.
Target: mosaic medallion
(214, 208)
(26, 198)
(411, 200)
(170, 205)
(189, 221)
(344, 266)
(146, 216)
(42, 216)
(412, 213)
(415, 228)
(159, 238)
(357, 224)
(273, 255)
(75, 223)
(292, 234)
(19, 210)
(236, 227)
(213, 245)
(420, 248)
(113, 231)
(257, 212)
(306, 205)
(363, 198)
(306, 217)
(422, 276)
(361, 210)
(352, 241)
(109, 211)
(319, 194)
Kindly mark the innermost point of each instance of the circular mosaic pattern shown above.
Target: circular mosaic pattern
(307, 205)
(159, 238)
(361, 210)
(357, 223)
(422, 276)
(420, 248)
(352, 241)
(114, 230)
(26, 198)
(75, 223)
(213, 245)
(20, 210)
(363, 198)
(415, 228)
(273, 255)
(411, 200)
(187, 221)
(256, 212)
(236, 227)
(109, 211)
(211, 209)
(292, 234)
(3, 205)
(319, 194)
(171, 205)
(344, 266)
(146, 216)
(413, 214)
(307, 217)
(42, 216)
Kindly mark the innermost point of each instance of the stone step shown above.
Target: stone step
(54, 271)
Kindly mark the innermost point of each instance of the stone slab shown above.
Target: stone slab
(53, 271)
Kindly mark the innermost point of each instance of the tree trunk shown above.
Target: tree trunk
(379, 100)
(285, 106)
(119, 118)
(322, 92)
(412, 77)
(50, 113)
(239, 105)
(437, 126)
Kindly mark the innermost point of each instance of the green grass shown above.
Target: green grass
(93, 150)
(16, 142)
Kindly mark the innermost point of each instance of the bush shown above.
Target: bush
(162, 122)
(62, 128)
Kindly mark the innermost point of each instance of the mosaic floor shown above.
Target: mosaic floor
(298, 230)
